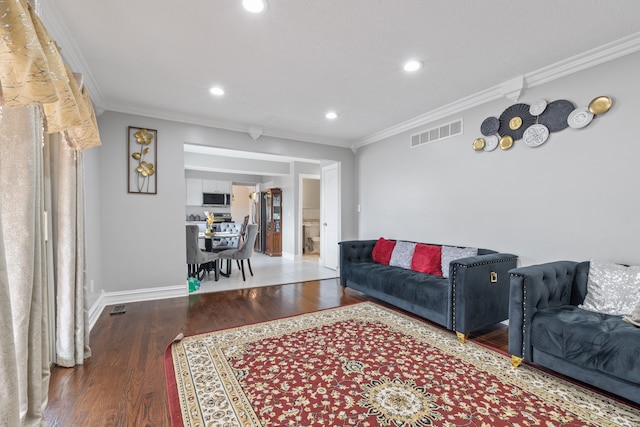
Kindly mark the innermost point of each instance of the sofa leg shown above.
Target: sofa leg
(516, 361)
(462, 337)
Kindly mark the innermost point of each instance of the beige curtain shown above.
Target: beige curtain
(24, 353)
(67, 233)
(39, 94)
(33, 72)
(23, 269)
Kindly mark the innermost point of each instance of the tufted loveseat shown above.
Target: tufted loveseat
(473, 296)
(547, 328)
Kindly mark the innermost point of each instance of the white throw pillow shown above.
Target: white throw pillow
(402, 254)
(452, 253)
(612, 288)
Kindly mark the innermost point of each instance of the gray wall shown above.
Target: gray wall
(575, 197)
(142, 243)
(93, 226)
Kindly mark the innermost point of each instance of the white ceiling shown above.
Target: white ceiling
(282, 70)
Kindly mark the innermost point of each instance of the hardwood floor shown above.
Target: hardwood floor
(123, 384)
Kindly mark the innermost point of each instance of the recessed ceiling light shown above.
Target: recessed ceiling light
(254, 6)
(413, 65)
(217, 91)
(331, 115)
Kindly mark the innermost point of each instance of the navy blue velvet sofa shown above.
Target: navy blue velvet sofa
(474, 296)
(547, 328)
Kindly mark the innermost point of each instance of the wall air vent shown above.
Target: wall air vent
(437, 134)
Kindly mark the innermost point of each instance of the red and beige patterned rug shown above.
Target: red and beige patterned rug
(365, 365)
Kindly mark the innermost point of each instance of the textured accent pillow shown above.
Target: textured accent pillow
(382, 251)
(612, 288)
(452, 253)
(402, 254)
(427, 259)
(634, 318)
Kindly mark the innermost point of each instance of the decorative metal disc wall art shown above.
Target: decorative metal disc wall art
(556, 114)
(142, 158)
(536, 135)
(490, 126)
(515, 120)
(580, 117)
(491, 142)
(538, 107)
(533, 123)
(600, 105)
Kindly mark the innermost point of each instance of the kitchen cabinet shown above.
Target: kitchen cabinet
(215, 186)
(224, 187)
(194, 192)
(273, 211)
(197, 186)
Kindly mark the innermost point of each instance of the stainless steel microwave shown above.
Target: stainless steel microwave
(216, 199)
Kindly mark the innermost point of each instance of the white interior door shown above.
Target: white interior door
(330, 216)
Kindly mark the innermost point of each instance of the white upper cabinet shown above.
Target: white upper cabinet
(224, 187)
(214, 186)
(194, 192)
(197, 186)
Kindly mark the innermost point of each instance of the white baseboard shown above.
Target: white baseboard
(96, 310)
(135, 295)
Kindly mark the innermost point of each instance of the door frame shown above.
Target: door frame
(300, 230)
(324, 194)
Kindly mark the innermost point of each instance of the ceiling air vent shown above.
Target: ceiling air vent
(437, 134)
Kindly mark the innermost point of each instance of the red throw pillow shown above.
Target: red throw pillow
(382, 251)
(427, 259)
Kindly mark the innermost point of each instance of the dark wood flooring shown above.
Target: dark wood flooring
(123, 384)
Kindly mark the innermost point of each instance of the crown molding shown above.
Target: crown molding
(458, 106)
(71, 53)
(585, 60)
(162, 114)
(574, 64)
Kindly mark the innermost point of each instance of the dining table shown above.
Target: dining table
(218, 242)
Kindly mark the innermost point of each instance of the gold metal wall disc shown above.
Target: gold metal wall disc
(506, 142)
(515, 123)
(478, 144)
(600, 105)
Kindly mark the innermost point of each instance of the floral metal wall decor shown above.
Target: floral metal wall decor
(533, 123)
(142, 158)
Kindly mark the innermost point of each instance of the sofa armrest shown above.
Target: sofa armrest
(480, 290)
(355, 251)
(532, 288)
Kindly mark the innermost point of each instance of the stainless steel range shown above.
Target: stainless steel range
(222, 217)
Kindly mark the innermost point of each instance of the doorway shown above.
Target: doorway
(241, 201)
(330, 215)
(310, 216)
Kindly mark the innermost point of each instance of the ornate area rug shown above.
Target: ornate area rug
(365, 365)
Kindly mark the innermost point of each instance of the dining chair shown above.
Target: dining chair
(243, 230)
(243, 253)
(229, 242)
(198, 261)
